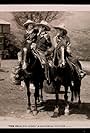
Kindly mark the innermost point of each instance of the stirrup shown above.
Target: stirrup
(82, 74)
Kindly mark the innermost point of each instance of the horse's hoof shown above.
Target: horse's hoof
(28, 111)
(55, 114)
(34, 112)
(56, 110)
(66, 112)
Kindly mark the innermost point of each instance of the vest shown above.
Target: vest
(43, 43)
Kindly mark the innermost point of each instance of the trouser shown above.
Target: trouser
(75, 64)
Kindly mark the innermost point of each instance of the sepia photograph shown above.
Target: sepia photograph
(44, 66)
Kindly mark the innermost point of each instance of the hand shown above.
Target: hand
(46, 36)
(33, 46)
(45, 53)
(63, 63)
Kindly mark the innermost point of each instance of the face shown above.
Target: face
(30, 27)
(42, 28)
(59, 32)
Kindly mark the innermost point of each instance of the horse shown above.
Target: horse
(64, 75)
(32, 72)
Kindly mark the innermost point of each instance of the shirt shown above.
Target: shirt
(63, 41)
(43, 41)
(30, 37)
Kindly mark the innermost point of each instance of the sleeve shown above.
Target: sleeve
(49, 41)
(55, 41)
(24, 40)
(68, 41)
(68, 49)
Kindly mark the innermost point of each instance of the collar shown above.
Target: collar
(30, 31)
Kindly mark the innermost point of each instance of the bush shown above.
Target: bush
(10, 47)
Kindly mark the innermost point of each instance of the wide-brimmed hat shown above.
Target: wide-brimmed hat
(28, 22)
(61, 26)
(45, 24)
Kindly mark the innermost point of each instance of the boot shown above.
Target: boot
(82, 74)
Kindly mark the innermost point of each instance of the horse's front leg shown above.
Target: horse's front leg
(66, 111)
(41, 94)
(24, 58)
(56, 110)
(79, 99)
(36, 95)
(28, 95)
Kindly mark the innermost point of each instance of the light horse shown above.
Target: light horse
(32, 72)
(64, 75)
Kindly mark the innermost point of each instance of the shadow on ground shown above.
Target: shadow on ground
(2, 70)
(83, 109)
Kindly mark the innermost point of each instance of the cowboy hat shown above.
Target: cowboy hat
(28, 22)
(45, 24)
(61, 26)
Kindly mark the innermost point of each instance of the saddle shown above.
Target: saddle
(43, 57)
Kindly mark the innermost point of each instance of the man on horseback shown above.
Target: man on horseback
(29, 39)
(44, 46)
(30, 36)
(62, 39)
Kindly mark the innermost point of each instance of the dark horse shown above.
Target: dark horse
(33, 73)
(64, 75)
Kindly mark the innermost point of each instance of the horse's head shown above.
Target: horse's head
(59, 57)
(28, 58)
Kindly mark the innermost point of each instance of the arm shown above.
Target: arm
(68, 43)
(55, 41)
(62, 55)
(50, 47)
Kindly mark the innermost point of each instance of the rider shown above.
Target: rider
(44, 46)
(29, 39)
(62, 37)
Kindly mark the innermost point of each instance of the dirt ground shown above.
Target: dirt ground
(13, 104)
